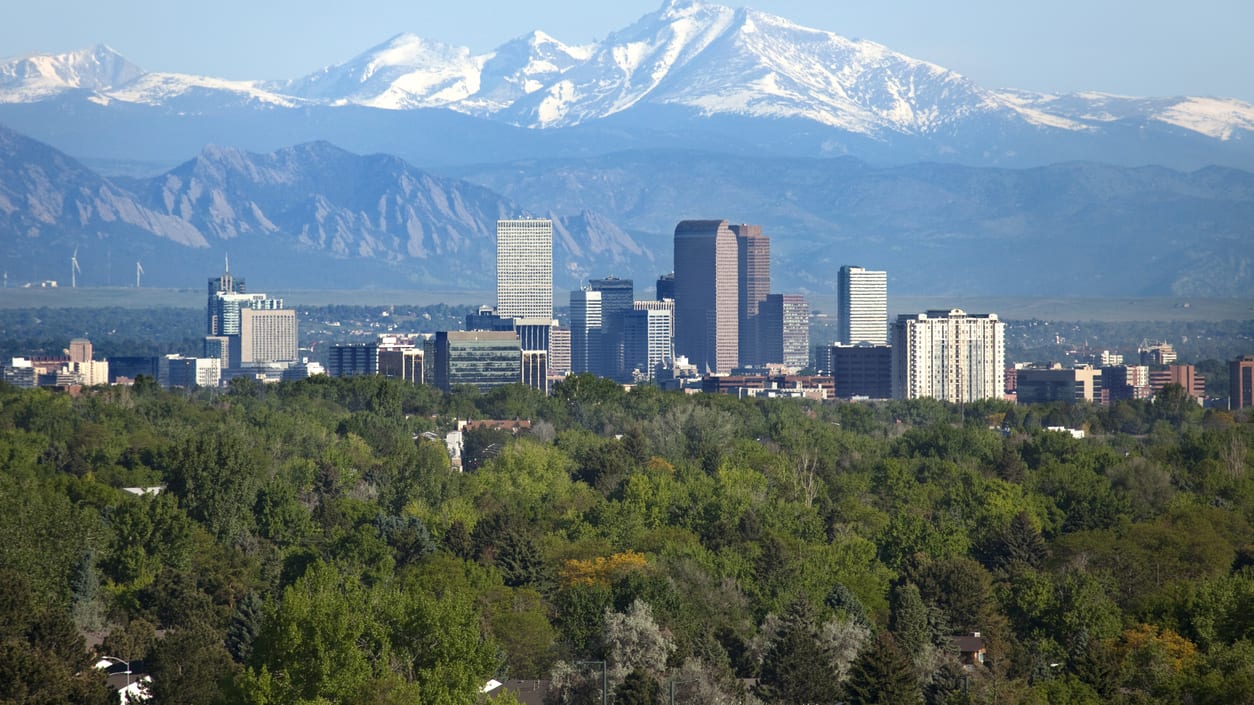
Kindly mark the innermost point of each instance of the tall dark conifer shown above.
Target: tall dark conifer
(797, 667)
(882, 675)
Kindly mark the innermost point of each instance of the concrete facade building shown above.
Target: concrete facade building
(770, 386)
(1154, 354)
(1186, 376)
(1110, 359)
(706, 295)
(91, 372)
(265, 337)
(862, 315)
(188, 372)
(753, 285)
(1241, 383)
(559, 351)
(524, 268)
(949, 355)
(20, 372)
(1124, 382)
(80, 350)
(218, 346)
(535, 369)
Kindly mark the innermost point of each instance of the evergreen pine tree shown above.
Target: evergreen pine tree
(1022, 543)
(841, 599)
(86, 607)
(882, 675)
(244, 627)
(638, 688)
(908, 620)
(797, 668)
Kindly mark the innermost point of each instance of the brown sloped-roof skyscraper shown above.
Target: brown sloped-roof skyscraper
(707, 295)
(754, 285)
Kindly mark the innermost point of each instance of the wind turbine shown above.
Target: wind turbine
(74, 269)
(139, 269)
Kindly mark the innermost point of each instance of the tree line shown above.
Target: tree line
(313, 544)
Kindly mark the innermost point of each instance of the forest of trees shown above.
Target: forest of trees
(311, 545)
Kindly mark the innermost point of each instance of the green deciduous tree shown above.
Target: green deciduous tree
(191, 666)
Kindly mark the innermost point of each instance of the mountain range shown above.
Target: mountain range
(770, 85)
(309, 216)
(843, 149)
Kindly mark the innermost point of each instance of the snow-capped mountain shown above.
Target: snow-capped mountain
(519, 68)
(32, 78)
(719, 60)
(1214, 117)
(188, 91)
(769, 84)
(407, 71)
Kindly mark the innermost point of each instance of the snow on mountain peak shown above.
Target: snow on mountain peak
(519, 67)
(707, 58)
(406, 71)
(36, 77)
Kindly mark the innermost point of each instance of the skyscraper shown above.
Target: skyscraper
(585, 329)
(616, 302)
(224, 310)
(524, 268)
(863, 306)
(784, 323)
(225, 284)
(753, 283)
(265, 337)
(706, 298)
(666, 286)
(646, 341)
(949, 355)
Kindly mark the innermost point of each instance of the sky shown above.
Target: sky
(1130, 47)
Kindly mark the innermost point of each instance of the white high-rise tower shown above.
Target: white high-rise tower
(524, 268)
(951, 355)
(863, 306)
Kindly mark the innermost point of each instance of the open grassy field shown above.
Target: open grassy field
(1050, 309)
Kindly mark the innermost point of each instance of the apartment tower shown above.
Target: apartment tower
(949, 355)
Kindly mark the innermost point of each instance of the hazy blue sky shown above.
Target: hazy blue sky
(1139, 47)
